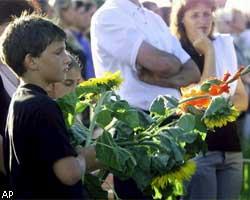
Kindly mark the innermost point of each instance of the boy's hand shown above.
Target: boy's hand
(89, 154)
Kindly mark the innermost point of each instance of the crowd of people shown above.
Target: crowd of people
(51, 46)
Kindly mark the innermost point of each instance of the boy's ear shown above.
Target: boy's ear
(29, 63)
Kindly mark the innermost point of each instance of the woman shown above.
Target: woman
(219, 172)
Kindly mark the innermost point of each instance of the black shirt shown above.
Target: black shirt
(38, 137)
(222, 139)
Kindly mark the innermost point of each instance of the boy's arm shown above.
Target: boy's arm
(69, 170)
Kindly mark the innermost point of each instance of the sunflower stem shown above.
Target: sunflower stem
(193, 98)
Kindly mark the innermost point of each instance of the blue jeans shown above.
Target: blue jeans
(218, 176)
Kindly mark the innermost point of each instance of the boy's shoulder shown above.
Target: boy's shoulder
(34, 99)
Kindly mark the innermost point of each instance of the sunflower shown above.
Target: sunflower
(110, 81)
(185, 172)
(219, 120)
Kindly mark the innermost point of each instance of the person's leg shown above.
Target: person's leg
(203, 184)
(229, 177)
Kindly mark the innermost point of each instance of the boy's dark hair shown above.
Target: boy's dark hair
(10, 8)
(29, 34)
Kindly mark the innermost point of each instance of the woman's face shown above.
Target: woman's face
(197, 20)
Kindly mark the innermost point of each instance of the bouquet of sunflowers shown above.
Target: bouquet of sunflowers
(154, 149)
(207, 99)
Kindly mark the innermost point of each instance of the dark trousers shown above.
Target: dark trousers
(128, 189)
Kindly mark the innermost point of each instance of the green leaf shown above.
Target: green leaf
(173, 149)
(199, 124)
(188, 137)
(127, 161)
(144, 119)
(142, 175)
(194, 111)
(70, 119)
(142, 156)
(113, 156)
(158, 106)
(106, 151)
(178, 154)
(165, 141)
(93, 185)
(205, 87)
(216, 105)
(80, 106)
(142, 178)
(103, 118)
(175, 132)
(214, 81)
(207, 84)
(120, 106)
(129, 117)
(123, 131)
(172, 102)
(196, 146)
(187, 122)
(79, 133)
(159, 162)
(181, 135)
(67, 104)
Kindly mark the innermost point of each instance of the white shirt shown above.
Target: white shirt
(118, 29)
(10, 81)
(225, 58)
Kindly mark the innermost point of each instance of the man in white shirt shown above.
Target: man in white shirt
(127, 37)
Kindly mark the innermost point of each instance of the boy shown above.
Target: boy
(8, 81)
(41, 162)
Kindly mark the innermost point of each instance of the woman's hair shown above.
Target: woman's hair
(179, 8)
(75, 62)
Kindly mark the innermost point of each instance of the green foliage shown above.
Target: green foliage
(93, 184)
(114, 156)
(219, 105)
(187, 122)
(158, 106)
(207, 84)
(134, 144)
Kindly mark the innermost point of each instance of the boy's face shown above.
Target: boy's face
(53, 62)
